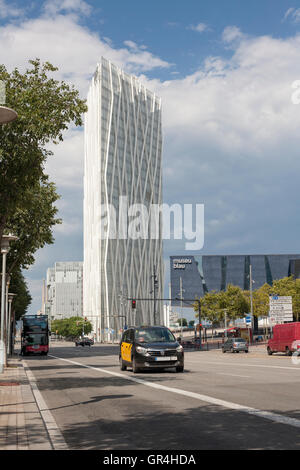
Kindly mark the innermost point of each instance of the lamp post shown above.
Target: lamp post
(7, 115)
(5, 241)
(9, 328)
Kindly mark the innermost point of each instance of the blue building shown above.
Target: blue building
(204, 273)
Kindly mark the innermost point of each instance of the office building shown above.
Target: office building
(198, 274)
(123, 153)
(64, 287)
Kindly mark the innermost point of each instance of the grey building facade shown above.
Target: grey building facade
(64, 290)
(200, 274)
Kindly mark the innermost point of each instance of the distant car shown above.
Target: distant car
(84, 342)
(235, 345)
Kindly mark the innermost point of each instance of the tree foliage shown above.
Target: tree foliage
(182, 322)
(71, 327)
(46, 107)
(23, 298)
(215, 303)
(236, 302)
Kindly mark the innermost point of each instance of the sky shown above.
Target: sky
(231, 132)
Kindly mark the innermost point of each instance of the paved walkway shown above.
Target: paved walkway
(21, 424)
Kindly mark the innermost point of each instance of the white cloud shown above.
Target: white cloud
(231, 133)
(8, 10)
(293, 14)
(61, 40)
(232, 33)
(53, 7)
(200, 27)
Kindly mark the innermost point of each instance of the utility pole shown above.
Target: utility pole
(181, 299)
(155, 286)
(251, 300)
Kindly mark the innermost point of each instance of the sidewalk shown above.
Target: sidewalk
(21, 424)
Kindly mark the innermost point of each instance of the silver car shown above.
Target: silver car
(235, 345)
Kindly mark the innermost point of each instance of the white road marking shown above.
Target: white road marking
(245, 365)
(277, 418)
(55, 435)
(233, 375)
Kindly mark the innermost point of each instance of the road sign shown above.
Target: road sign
(281, 309)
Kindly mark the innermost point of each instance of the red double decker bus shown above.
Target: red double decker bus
(35, 335)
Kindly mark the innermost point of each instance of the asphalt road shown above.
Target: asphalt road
(221, 401)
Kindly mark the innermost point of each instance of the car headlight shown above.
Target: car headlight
(141, 350)
(179, 349)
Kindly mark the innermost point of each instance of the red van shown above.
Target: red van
(285, 338)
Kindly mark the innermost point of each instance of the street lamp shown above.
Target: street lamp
(5, 241)
(9, 329)
(7, 115)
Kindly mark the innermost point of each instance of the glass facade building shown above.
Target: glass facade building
(205, 273)
(123, 152)
(64, 289)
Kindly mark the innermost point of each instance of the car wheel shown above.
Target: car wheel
(122, 365)
(135, 369)
(246, 351)
(269, 351)
(179, 368)
(288, 352)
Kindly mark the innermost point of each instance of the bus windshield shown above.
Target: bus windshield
(35, 324)
(35, 339)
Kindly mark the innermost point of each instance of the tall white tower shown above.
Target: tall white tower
(123, 165)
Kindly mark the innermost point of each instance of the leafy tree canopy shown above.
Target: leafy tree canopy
(46, 107)
(232, 301)
(22, 299)
(71, 327)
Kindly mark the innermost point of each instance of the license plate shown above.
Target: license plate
(166, 358)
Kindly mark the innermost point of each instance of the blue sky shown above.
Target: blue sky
(224, 71)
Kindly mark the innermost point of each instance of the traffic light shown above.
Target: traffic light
(133, 304)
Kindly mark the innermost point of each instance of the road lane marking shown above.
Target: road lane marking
(244, 365)
(57, 440)
(233, 375)
(277, 418)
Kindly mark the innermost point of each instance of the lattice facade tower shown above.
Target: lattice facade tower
(123, 158)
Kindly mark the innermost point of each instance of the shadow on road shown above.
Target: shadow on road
(206, 427)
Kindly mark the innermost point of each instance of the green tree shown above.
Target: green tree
(46, 107)
(32, 223)
(182, 321)
(260, 300)
(71, 327)
(215, 303)
(22, 299)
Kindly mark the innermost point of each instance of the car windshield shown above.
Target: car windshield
(154, 335)
(239, 340)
